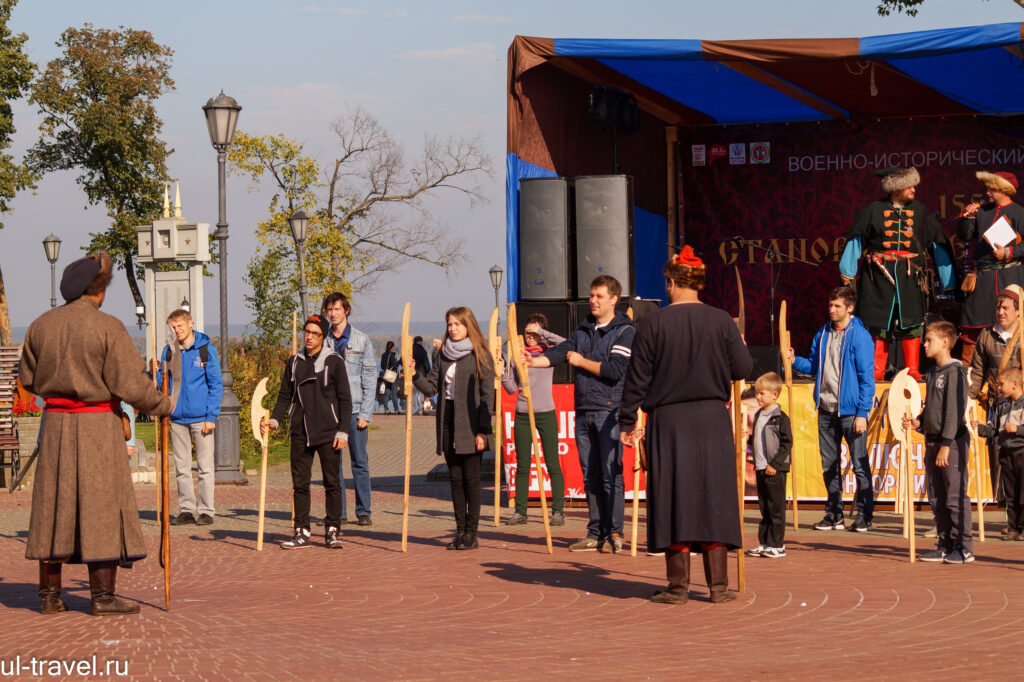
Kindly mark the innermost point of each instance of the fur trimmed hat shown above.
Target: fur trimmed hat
(895, 179)
(1001, 181)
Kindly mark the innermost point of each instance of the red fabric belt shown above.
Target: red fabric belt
(73, 405)
(895, 255)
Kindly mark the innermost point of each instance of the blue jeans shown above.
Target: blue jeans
(832, 429)
(600, 451)
(360, 470)
(417, 404)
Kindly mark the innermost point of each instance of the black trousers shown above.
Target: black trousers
(464, 478)
(302, 467)
(947, 493)
(771, 498)
(1011, 473)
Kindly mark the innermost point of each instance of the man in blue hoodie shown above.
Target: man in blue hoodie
(599, 349)
(194, 418)
(842, 363)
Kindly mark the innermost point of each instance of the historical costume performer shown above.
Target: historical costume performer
(684, 358)
(83, 363)
(994, 269)
(895, 235)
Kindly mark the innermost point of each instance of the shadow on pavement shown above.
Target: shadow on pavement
(26, 595)
(586, 577)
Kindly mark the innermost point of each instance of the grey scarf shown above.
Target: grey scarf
(456, 350)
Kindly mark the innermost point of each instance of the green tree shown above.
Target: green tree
(908, 7)
(366, 210)
(15, 77)
(99, 118)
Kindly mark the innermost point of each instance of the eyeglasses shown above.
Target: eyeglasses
(314, 334)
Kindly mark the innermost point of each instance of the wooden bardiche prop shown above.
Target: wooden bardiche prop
(740, 420)
(171, 366)
(408, 369)
(257, 416)
(784, 345)
(905, 401)
(515, 352)
(971, 414)
(494, 343)
(639, 462)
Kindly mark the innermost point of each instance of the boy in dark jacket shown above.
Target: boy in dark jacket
(315, 392)
(772, 442)
(1005, 427)
(946, 438)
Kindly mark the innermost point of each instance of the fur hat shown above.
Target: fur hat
(1001, 181)
(895, 179)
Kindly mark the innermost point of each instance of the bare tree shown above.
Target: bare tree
(376, 196)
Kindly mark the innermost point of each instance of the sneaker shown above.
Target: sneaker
(516, 519)
(936, 556)
(932, 532)
(612, 545)
(1012, 536)
(774, 553)
(584, 545)
(756, 551)
(364, 520)
(183, 519)
(557, 519)
(301, 539)
(331, 538)
(204, 520)
(830, 523)
(860, 525)
(959, 556)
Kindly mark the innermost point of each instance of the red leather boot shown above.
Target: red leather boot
(912, 356)
(881, 358)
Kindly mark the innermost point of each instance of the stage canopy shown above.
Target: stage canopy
(692, 87)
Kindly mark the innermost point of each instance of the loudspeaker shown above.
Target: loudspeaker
(604, 230)
(545, 239)
(766, 359)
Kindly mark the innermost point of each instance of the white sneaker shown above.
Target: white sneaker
(756, 551)
(774, 553)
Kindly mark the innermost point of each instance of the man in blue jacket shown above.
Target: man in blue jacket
(194, 418)
(356, 349)
(842, 363)
(599, 349)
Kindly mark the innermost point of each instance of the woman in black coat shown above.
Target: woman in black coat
(389, 361)
(463, 375)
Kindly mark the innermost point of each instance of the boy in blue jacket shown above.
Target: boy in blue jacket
(842, 363)
(194, 419)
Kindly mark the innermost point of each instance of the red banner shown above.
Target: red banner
(795, 190)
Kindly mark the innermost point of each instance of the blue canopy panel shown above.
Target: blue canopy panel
(941, 41)
(972, 78)
(714, 89)
(629, 49)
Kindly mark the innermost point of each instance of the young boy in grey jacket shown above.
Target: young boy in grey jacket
(946, 437)
(772, 443)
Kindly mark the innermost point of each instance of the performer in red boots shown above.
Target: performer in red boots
(895, 236)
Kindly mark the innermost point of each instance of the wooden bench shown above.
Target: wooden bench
(10, 448)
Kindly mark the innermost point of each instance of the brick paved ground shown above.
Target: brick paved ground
(841, 606)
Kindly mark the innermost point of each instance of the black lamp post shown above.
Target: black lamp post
(185, 305)
(300, 224)
(496, 273)
(51, 245)
(221, 117)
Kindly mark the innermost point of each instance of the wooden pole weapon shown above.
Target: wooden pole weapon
(971, 415)
(784, 345)
(257, 415)
(638, 463)
(409, 368)
(165, 511)
(494, 341)
(905, 402)
(741, 449)
(515, 352)
(295, 332)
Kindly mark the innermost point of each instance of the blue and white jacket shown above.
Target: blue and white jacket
(361, 365)
(611, 346)
(856, 369)
(201, 388)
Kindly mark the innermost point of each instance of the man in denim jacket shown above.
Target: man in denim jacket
(361, 364)
(842, 363)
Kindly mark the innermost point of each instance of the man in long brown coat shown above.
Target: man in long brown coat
(82, 363)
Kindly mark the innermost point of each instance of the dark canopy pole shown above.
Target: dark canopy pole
(221, 116)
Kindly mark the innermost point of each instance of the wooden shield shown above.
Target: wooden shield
(904, 393)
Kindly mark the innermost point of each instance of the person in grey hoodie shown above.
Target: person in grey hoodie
(538, 339)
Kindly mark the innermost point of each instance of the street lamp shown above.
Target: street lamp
(51, 245)
(221, 117)
(300, 224)
(185, 306)
(496, 273)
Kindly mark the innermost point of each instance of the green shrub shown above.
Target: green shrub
(249, 363)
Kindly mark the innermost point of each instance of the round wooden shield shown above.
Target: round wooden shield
(905, 392)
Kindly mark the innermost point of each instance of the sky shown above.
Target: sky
(421, 68)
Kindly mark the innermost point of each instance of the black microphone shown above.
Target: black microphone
(738, 239)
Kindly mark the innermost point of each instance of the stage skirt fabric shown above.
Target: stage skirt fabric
(691, 477)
